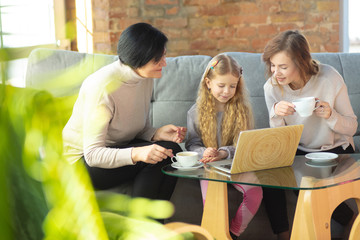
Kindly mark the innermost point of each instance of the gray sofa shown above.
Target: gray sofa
(62, 72)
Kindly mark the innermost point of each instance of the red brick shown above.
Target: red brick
(331, 47)
(267, 30)
(173, 22)
(118, 13)
(310, 27)
(335, 37)
(153, 12)
(200, 2)
(203, 44)
(114, 37)
(333, 17)
(104, 48)
(324, 29)
(206, 22)
(172, 33)
(101, 37)
(192, 33)
(101, 25)
(260, 43)
(309, 5)
(181, 33)
(100, 13)
(270, 7)
(316, 48)
(245, 32)
(161, 2)
(316, 38)
(246, 19)
(100, 4)
(124, 23)
(132, 12)
(178, 45)
(288, 26)
(232, 44)
(217, 33)
(328, 6)
(248, 7)
(290, 6)
(316, 17)
(172, 11)
(70, 4)
(288, 17)
(219, 10)
(120, 3)
(212, 26)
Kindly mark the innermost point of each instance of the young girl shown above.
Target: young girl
(214, 123)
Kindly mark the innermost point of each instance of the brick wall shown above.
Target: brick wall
(71, 23)
(212, 26)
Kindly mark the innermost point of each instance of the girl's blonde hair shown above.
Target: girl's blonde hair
(237, 115)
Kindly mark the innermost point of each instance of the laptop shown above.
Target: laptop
(264, 148)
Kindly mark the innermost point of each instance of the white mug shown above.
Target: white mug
(305, 106)
(186, 159)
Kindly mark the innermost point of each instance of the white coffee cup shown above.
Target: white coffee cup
(186, 159)
(305, 106)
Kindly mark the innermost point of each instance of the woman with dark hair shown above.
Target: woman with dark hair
(294, 74)
(109, 129)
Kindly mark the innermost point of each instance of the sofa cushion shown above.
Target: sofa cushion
(176, 91)
(62, 72)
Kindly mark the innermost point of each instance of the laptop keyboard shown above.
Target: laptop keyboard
(228, 166)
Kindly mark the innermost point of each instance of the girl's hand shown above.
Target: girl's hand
(284, 108)
(170, 133)
(212, 154)
(150, 154)
(323, 109)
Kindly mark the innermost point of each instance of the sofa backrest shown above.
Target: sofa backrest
(62, 72)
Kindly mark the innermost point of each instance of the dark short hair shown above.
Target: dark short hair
(139, 44)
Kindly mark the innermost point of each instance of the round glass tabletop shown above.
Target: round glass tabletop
(303, 174)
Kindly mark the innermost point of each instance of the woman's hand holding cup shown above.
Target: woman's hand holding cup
(305, 106)
(284, 108)
(323, 109)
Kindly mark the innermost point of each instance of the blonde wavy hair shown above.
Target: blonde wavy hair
(238, 113)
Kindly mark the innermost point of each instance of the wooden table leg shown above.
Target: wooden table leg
(215, 217)
(315, 207)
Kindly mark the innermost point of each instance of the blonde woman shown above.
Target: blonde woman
(221, 111)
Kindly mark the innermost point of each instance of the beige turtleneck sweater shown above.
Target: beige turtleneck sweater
(111, 110)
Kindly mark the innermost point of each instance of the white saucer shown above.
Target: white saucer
(330, 163)
(321, 157)
(177, 165)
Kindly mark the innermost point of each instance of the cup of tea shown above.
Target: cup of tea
(186, 159)
(305, 106)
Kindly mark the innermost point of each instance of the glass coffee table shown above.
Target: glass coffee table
(323, 186)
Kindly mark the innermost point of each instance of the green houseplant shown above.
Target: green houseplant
(44, 197)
